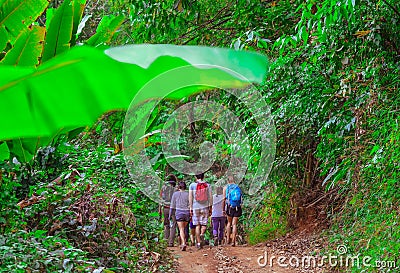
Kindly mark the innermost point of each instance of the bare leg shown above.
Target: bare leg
(203, 230)
(182, 226)
(234, 229)
(192, 236)
(198, 229)
(228, 230)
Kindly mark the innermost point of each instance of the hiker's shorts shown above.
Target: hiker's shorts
(182, 217)
(234, 212)
(200, 216)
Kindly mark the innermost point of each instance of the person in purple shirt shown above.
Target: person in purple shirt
(180, 209)
(218, 216)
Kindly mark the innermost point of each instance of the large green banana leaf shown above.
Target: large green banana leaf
(73, 89)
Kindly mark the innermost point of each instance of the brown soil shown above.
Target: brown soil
(223, 259)
(228, 259)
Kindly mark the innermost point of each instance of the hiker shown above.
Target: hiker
(218, 217)
(166, 193)
(200, 202)
(233, 197)
(180, 209)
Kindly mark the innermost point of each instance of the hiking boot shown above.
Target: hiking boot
(198, 246)
(220, 242)
(170, 245)
(183, 247)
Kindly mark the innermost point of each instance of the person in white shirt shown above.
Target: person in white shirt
(200, 202)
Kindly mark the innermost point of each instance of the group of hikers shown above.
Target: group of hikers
(189, 210)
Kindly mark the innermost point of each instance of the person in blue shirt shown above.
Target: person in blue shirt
(233, 210)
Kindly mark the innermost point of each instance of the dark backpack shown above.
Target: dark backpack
(234, 195)
(201, 192)
(166, 193)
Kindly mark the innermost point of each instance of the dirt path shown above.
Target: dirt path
(223, 259)
(228, 259)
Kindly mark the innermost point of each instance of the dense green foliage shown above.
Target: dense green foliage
(344, 141)
(333, 88)
(90, 216)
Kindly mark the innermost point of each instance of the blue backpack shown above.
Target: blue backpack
(234, 195)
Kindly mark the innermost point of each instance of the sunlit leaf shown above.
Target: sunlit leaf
(72, 90)
(4, 151)
(27, 48)
(16, 15)
(60, 31)
(3, 38)
(106, 29)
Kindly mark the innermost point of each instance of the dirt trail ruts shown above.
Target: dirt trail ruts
(223, 259)
(243, 258)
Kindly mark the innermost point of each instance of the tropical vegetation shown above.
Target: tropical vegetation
(67, 201)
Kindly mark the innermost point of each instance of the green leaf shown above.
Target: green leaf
(328, 21)
(353, 200)
(59, 34)
(374, 149)
(335, 15)
(72, 90)
(27, 48)
(49, 16)
(4, 152)
(262, 43)
(22, 152)
(304, 35)
(106, 29)
(39, 233)
(16, 15)
(3, 38)
(78, 6)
